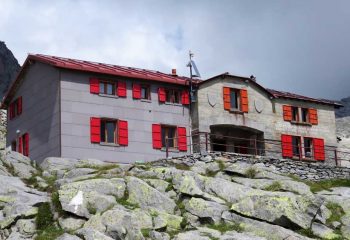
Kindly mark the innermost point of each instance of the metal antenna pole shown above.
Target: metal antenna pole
(191, 87)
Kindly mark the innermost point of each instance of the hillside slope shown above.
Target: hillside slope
(198, 197)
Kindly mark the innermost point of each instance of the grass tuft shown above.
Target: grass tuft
(274, 187)
(146, 232)
(181, 166)
(251, 172)
(337, 212)
(221, 165)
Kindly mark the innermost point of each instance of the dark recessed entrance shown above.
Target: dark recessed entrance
(231, 138)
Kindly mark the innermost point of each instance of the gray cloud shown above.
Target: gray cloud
(297, 46)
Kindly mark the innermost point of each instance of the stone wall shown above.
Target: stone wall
(3, 124)
(313, 171)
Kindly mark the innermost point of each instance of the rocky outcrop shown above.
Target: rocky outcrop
(217, 196)
(9, 68)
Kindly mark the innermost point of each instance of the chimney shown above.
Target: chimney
(173, 72)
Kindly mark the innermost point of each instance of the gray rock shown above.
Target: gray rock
(67, 236)
(20, 164)
(323, 231)
(262, 229)
(205, 209)
(345, 231)
(233, 235)
(71, 224)
(282, 208)
(91, 234)
(146, 197)
(17, 200)
(98, 194)
(154, 235)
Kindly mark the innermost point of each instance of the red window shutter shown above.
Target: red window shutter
(26, 144)
(287, 113)
(319, 149)
(123, 133)
(19, 105)
(121, 91)
(182, 139)
(227, 98)
(287, 145)
(161, 94)
(157, 136)
(94, 86)
(20, 145)
(95, 130)
(313, 118)
(244, 100)
(136, 91)
(185, 97)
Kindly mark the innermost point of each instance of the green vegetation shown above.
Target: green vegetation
(337, 212)
(327, 184)
(224, 227)
(56, 203)
(221, 165)
(100, 168)
(181, 206)
(145, 232)
(307, 233)
(124, 201)
(210, 173)
(274, 187)
(50, 233)
(181, 166)
(169, 187)
(184, 223)
(46, 226)
(91, 208)
(251, 172)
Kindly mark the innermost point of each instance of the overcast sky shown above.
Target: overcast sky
(300, 46)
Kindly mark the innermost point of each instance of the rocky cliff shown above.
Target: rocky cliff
(202, 197)
(343, 126)
(9, 68)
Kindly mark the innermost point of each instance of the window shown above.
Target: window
(108, 131)
(145, 92)
(295, 114)
(296, 142)
(305, 115)
(107, 88)
(300, 115)
(172, 96)
(234, 98)
(15, 108)
(170, 133)
(308, 147)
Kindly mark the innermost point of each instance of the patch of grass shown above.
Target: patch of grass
(146, 232)
(225, 227)
(181, 166)
(99, 167)
(210, 173)
(144, 166)
(327, 184)
(184, 223)
(251, 172)
(55, 200)
(181, 206)
(44, 218)
(337, 212)
(169, 187)
(221, 165)
(307, 233)
(92, 209)
(274, 187)
(49, 233)
(10, 168)
(124, 201)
